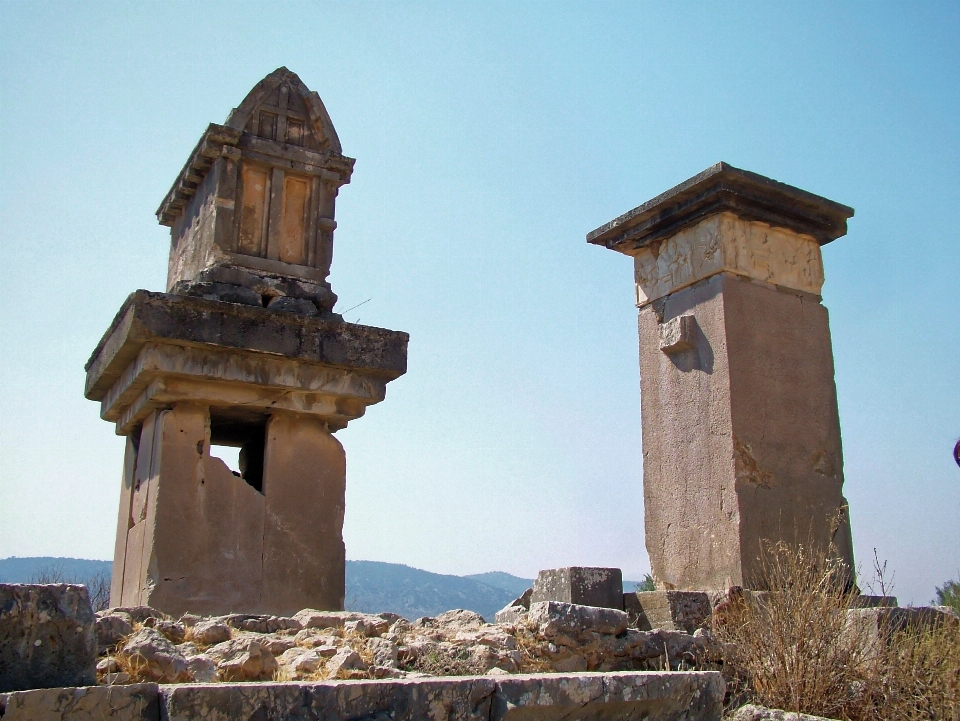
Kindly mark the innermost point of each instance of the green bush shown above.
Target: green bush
(949, 595)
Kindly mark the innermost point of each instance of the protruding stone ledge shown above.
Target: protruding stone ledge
(651, 696)
(718, 189)
(163, 318)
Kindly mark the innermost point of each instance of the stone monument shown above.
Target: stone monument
(242, 350)
(741, 435)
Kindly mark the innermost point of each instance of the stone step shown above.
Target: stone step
(648, 695)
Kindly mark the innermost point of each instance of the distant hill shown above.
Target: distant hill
(50, 569)
(499, 579)
(372, 586)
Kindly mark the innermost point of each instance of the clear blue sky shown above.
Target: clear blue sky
(490, 138)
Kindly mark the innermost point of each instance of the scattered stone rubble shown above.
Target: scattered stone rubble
(750, 712)
(145, 645)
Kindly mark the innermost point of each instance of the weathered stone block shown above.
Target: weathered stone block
(136, 702)
(650, 696)
(692, 696)
(510, 614)
(398, 700)
(585, 586)
(678, 334)
(571, 619)
(47, 636)
(162, 348)
(873, 625)
(672, 610)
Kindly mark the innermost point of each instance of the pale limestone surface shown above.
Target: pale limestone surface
(555, 618)
(724, 242)
(673, 610)
(137, 702)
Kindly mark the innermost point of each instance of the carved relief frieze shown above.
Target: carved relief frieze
(726, 243)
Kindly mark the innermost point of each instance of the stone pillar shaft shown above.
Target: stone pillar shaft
(741, 435)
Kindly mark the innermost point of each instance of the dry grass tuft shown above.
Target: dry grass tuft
(441, 661)
(920, 676)
(533, 648)
(135, 666)
(793, 648)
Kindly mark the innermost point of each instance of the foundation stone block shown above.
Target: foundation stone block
(47, 636)
(570, 619)
(135, 702)
(651, 696)
(670, 610)
(581, 585)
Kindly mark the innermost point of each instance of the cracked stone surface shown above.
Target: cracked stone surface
(47, 636)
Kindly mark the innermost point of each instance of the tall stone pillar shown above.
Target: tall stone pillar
(242, 350)
(741, 436)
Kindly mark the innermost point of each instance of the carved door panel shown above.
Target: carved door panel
(255, 195)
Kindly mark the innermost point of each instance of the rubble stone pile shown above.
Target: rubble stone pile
(142, 644)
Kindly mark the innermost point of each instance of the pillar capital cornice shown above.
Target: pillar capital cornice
(718, 189)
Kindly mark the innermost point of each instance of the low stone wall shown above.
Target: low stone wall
(651, 696)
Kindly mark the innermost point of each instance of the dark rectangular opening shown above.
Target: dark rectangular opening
(246, 431)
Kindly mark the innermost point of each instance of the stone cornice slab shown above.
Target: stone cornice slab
(723, 188)
(168, 319)
(210, 146)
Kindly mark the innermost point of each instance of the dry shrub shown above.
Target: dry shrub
(99, 589)
(98, 586)
(920, 676)
(135, 666)
(793, 648)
